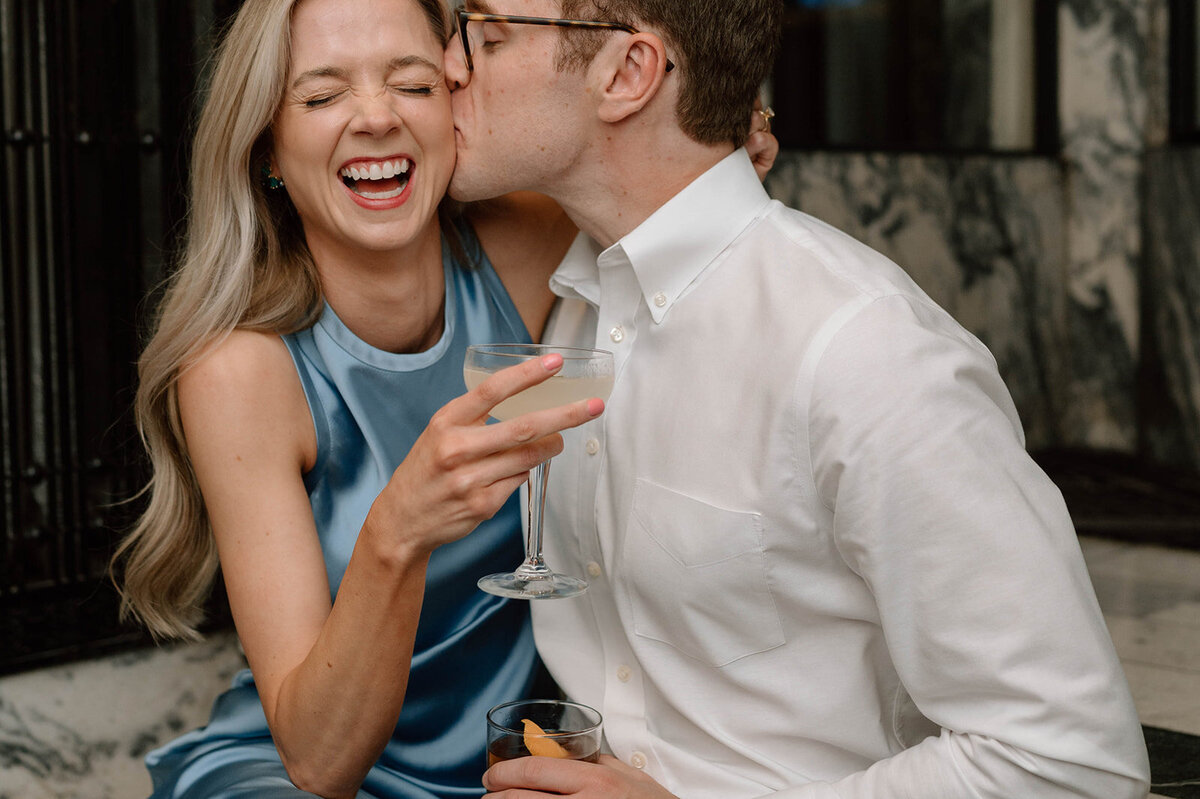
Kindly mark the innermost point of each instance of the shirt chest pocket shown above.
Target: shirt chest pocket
(697, 577)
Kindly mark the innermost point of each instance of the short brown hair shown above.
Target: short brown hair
(723, 51)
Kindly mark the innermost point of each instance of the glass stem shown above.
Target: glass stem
(534, 566)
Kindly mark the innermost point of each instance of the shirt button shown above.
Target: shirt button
(617, 334)
(592, 446)
(660, 299)
(637, 760)
(624, 673)
(594, 570)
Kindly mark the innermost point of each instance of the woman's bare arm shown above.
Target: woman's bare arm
(325, 685)
(332, 677)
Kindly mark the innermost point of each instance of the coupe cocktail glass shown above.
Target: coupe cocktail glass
(585, 373)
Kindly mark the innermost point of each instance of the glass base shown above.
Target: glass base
(547, 586)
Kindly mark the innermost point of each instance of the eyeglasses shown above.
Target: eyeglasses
(463, 17)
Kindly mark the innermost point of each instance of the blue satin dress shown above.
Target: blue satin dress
(473, 650)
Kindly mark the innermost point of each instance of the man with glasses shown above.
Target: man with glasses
(821, 563)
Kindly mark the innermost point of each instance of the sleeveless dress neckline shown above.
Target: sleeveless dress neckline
(354, 346)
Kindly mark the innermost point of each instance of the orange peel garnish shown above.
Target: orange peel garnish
(539, 743)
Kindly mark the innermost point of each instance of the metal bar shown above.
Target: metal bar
(8, 272)
(25, 472)
(47, 269)
(40, 422)
(61, 70)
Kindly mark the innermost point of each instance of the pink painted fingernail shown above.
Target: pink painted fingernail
(595, 406)
(552, 361)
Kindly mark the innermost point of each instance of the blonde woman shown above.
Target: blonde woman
(315, 327)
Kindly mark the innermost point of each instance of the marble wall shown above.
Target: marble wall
(1172, 303)
(1040, 256)
(1109, 82)
(1171, 279)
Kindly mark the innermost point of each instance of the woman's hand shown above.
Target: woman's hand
(462, 470)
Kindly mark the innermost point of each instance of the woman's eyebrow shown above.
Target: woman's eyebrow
(413, 61)
(341, 74)
(318, 72)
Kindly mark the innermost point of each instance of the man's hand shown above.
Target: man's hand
(538, 777)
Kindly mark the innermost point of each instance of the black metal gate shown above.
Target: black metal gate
(95, 97)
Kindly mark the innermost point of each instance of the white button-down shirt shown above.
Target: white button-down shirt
(814, 539)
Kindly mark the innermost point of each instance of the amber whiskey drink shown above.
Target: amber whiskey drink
(511, 747)
(543, 727)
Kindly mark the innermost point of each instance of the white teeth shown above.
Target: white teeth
(378, 170)
(381, 195)
(365, 173)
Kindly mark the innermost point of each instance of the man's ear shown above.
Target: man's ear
(633, 76)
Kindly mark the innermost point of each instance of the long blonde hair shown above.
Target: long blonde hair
(244, 264)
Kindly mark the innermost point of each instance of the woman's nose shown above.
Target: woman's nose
(376, 113)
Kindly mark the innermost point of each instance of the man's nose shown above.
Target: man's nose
(455, 64)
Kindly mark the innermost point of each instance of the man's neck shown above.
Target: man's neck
(625, 179)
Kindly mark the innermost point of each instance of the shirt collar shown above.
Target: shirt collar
(682, 238)
(577, 276)
(670, 249)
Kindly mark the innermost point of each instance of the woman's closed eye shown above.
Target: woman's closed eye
(318, 99)
(420, 90)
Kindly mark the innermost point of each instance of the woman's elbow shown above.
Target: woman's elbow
(317, 778)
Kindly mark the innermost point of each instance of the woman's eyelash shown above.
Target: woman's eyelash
(319, 100)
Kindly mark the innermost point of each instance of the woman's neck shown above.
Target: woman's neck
(393, 300)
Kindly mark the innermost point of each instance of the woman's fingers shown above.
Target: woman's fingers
(461, 470)
(482, 456)
(539, 424)
(499, 386)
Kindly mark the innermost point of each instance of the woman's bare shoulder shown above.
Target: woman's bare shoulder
(525, 236)
(247, 384)
(521, 222)
(242, 359)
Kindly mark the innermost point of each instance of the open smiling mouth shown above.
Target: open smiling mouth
(378, 180)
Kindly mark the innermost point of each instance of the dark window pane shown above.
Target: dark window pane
(938, 75)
